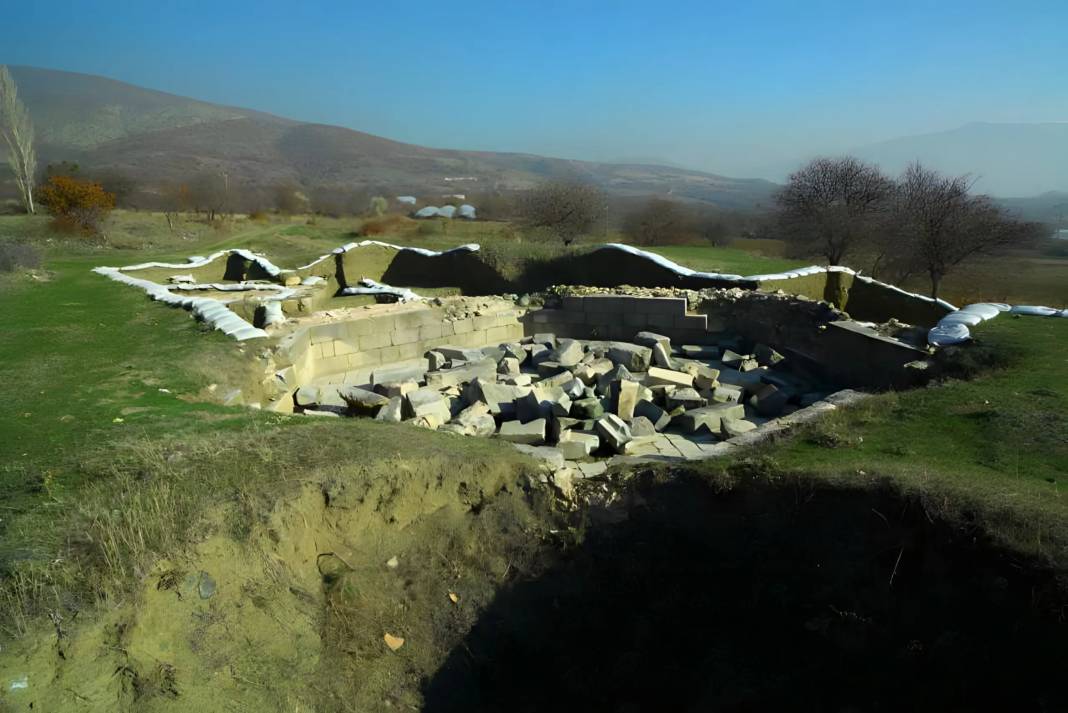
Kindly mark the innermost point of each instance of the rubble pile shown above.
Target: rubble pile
(576, 402)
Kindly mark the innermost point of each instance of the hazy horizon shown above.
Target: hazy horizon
(740, 91)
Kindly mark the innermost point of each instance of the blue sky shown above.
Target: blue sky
(740, 88)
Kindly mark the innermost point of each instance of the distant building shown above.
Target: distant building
(409, 200)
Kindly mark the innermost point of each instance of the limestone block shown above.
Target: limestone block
(614, 431)
(530, 433)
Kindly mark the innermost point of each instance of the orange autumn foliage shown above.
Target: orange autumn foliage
(76, 203)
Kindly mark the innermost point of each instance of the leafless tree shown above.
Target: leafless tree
(660, 222)
(17, 130)
(832, 204)
(565, 208)
(936, 224)
(209, 192)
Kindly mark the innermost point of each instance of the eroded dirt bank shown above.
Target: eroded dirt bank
(669, 592)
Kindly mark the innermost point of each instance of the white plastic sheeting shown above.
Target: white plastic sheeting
(370, 287)
(953, 328)
(467, 211)
(469, 248)
(407, 200)
(213, 312)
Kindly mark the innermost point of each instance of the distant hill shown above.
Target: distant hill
(154, 137)
(1006, 159)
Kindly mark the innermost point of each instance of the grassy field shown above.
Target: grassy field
(115, 446)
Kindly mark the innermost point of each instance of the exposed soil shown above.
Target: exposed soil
(677, 592)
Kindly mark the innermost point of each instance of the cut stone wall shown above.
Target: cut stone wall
(619, 317)
(386, 335)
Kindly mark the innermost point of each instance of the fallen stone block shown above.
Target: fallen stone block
(632, 356)
(361, 402)
(614, 431)
(549, 368)
(650, 339)
(618, 373)
(508, 366)
(587, 408)
(578, 444)
(704, 377)
(538, 353)
(640, 446)
(399, 372)
(589, 373)
(662, 357)
(485, 369)
(435, 360)
(767, 356)
(546, 339)
(550, 457)
(530, 433)
(641, 426)
(568, 352)
(748, 364)
(516, 379)
(658, 417)
(475, 420)
(395, 388)
(317, 412)
(574, 388)
(558, 425)
(732, 358)
(454, 353)
(392, 412)
(710, 418)
(624, 395)
(592, 469)
(657, 376)
(769, 400)
(428, 403)
(542, 403)
(726, 393)
(686, 398)
(499, 398)
(516, 351)
(735, 427)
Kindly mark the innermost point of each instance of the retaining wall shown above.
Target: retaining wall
(386, 335)
(619, 317)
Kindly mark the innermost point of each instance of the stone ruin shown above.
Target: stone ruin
(687, 365)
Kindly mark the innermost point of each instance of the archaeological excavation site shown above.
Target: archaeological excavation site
(615, 356)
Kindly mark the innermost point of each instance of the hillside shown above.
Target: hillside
(1006, 159)
(155, 137)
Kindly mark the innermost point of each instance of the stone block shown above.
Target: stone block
(657, 376)
(429, 331)
(614, 431)
(651, 339)
(576, 445)
(435, 360)
(658, 417)
(546, 339)
(699, 351)
(404, 336)
(508, 366)
(767, 356)
(736, 427)
(499, 398)
(726, 393)
(398, 373)
(633, 356)
(769, 400)
(685, 398)
(392, 412)
(530, 433)
(568, 352)
(624, 395)
(375, 341)
(587, 408)
(483, 368)
(710, 418)
(641, 426)
(428, 403)
(558, 379)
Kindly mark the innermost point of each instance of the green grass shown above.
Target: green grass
(993, 448)
(87, 426)
(726, 260)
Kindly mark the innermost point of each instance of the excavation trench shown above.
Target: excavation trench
(662, 590)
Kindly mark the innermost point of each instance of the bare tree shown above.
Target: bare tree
(567, 209)
(937, 224)
(17, 130)
(660, 222)
(832, 204)
(210, 193)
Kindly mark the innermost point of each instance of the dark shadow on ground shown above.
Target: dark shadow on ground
(767, 598)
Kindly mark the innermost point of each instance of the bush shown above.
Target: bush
(385, 225)
(76, 204)
(14, 255)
